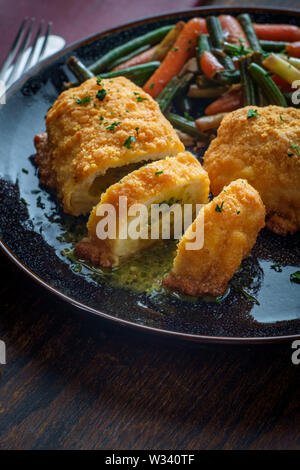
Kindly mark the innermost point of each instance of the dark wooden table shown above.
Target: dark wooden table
(71, 382)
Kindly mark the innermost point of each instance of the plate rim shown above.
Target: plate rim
(196, 338)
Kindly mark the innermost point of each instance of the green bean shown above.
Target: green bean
(273, 46)
(138, 73)
(149, 38)
(217, 38)
(271, 90)
(247, 26)
(248, 86)
(215, 31)
(164, 94)
(172, 89)
(81, 72)
(202, 46)
(229, 77)
(235, 50)
(261, 98)
(186, 126)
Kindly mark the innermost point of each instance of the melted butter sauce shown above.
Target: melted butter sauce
(145, 271)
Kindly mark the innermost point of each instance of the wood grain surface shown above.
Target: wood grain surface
(72, 382)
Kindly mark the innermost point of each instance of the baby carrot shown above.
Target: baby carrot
(228, 102)
(209, 64)
(235, 32)
(277, 32)
(293, 49)
(141, 58)
(183, 49)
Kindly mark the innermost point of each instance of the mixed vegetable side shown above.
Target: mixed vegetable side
(231, 62)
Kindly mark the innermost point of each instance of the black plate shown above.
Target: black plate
(29, 232)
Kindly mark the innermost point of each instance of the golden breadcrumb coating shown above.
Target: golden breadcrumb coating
(231, 223)
(265, 150)
(179, 178)
(82, 146)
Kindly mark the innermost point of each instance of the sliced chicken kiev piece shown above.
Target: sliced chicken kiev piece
(96, 134)
(261, 145)
(179, 180)
(230, 225)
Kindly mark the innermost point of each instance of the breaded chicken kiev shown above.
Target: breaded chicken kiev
(231, 223)
(179, 179)
(261, 145)
(96, 134)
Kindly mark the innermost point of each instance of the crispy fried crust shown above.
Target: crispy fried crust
(81, 148)
(181, 176)
(231, 224)
(43, 161)
(264, 150)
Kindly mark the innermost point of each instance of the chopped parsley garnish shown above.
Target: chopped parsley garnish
(24, 202)
(157, 173)
(39, 203)
(101, 94)
(252, 113)
(112, 127)
(35, 191)
(25, 171)
(151, 86)
(295, 147)
(101, 118)
(238, 212)
(99, 79)
(277, 267)
(84, 100)
(139, 98)
(137, 129)
(219, 208)
(281, 118)
(295, 277)
(77, 268)
(174, 49)
(130, 140)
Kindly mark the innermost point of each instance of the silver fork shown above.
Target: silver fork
(18, 53)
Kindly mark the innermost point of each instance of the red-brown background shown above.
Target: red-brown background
(74, 19)
(71, 383)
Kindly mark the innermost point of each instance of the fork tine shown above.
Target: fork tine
(15, 71)
(34, 46)
(13, 49)
(45, 40)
